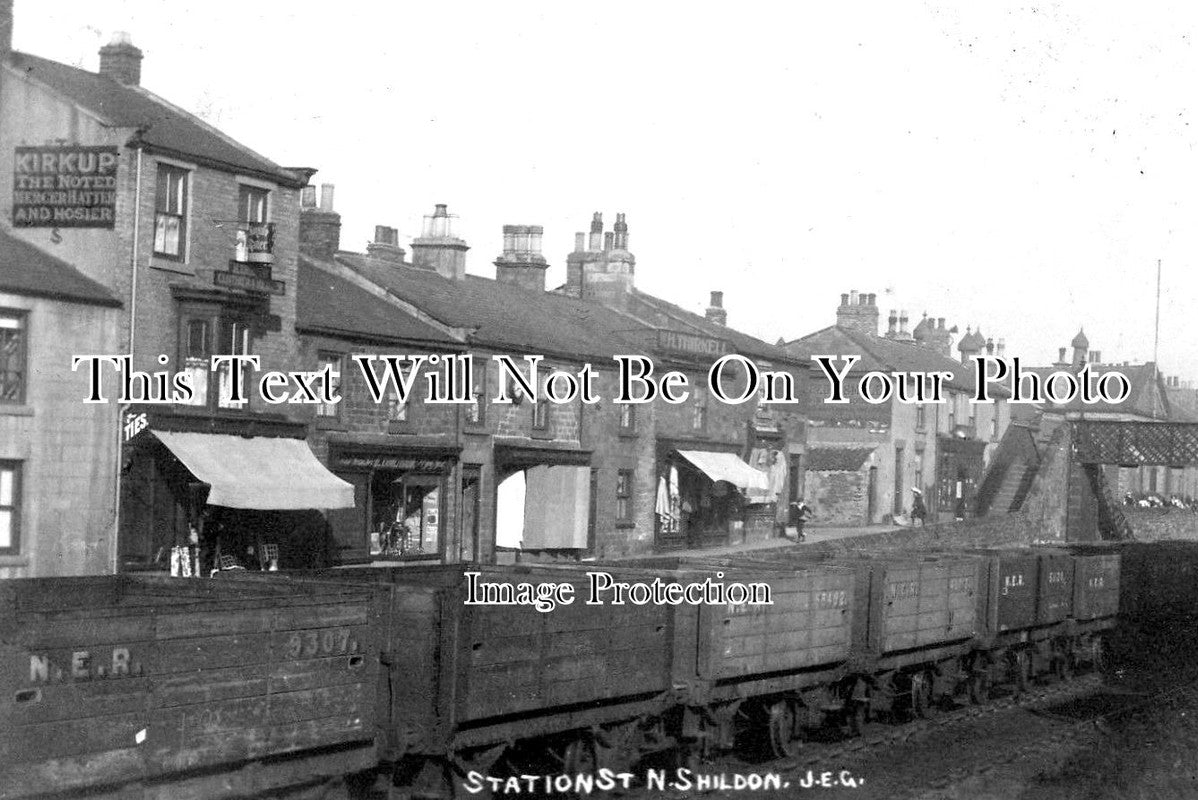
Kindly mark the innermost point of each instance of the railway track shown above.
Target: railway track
(853, 756)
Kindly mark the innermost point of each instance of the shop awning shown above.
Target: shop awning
(259, 472)
(727, 467)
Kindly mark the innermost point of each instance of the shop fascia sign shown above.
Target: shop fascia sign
(691, 345)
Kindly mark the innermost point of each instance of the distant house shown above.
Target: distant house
(883, 451)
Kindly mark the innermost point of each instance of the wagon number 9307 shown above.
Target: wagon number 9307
(325, 642)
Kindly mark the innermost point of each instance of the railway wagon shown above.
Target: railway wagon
(130, 687)
(487, 686)
(758, 668)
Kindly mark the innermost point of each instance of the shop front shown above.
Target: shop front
(703, 497)
(543, 501)
(194, 501)
(401, 509)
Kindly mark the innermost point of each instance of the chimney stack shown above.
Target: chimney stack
(5, 29)
(716, 312)
(438, 249)
(596, 232)
(320, 225)
(522, 262)
(120, 60)
(858, 312)
(385, 246)
(903, 333)
(604, 270)
(621, 232)
(892, 324)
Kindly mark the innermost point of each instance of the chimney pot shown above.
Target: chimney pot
(307, 194)
(608, 240)
(580, 242)
(717, 299)
(441, 210)
(844, 299)
(853, 297)
(326, 197)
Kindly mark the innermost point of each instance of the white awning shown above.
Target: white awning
(259, 472)
(727, 467)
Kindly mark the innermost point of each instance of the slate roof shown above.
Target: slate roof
(506, 316)
(742, 343)
(329, 303)
(24, 269)
(836, 459)
(164, 127)
(880, 353)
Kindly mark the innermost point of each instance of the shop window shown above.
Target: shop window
(10, 507)
(13, 331)
(699, 412)
(627, 419)
(170, 217)
(406, 513)
(332, 363)
(624, 483)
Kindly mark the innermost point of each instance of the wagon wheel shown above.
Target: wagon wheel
(579, 756)
(783, 724)
(1021, 665)
(858, 717)
(921, 695)
(1062, 667)
(979, 688)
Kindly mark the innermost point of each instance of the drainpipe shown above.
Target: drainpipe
(116, 514)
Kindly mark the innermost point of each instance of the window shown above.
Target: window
(170, 218)
(235, 341)
(332, 363)
(251, 210)
(252, 204)
(624, 495)
(627, 419)
(12, 356)
(540, 408)
(699, 411)
(203, 335)
(476, 412)
(921, 417)
(10, 507)
(197, 352)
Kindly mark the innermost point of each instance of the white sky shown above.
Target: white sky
(1018, 167)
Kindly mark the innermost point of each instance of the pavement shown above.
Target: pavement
(813, 536)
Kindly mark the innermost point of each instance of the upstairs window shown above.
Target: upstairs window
(627, 419)
(12, 356)
(624, 483)
(170, 218)
(699, 412)
(203, 335)
(332, 363)
(476, 412)
(252, 204)
(10, 507)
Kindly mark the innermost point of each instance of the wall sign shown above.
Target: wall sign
(690, 344)
(64, 187)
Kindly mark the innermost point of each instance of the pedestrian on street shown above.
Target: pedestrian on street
(797, 515)
(919, 511)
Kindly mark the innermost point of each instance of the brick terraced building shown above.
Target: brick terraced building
(197, 236)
